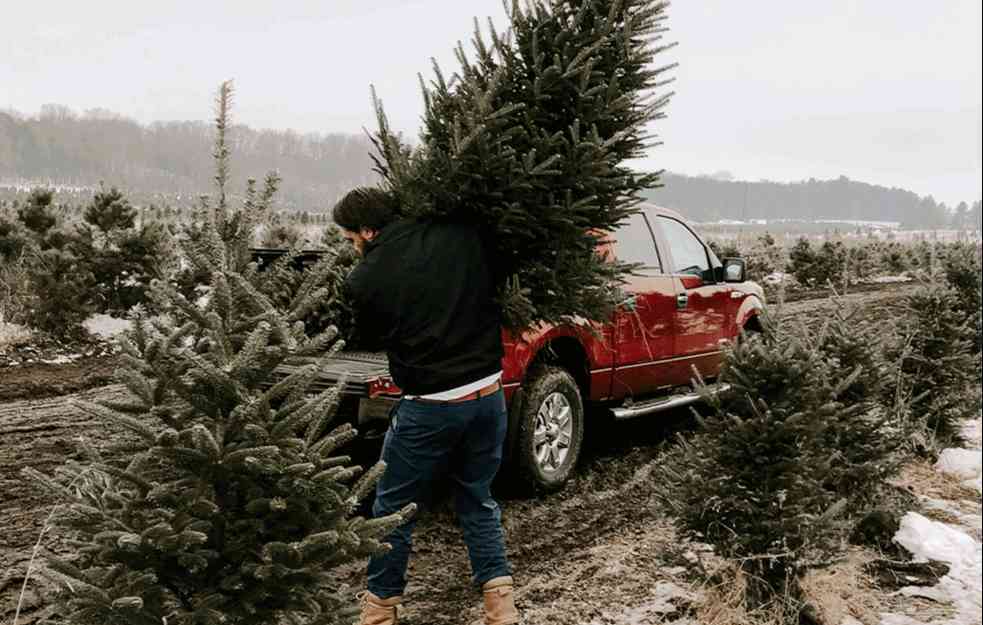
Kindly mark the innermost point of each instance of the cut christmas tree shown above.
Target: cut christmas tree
(531, 139)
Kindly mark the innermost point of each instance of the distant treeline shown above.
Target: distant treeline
(171, 163)
(60, 147)
(712, 199)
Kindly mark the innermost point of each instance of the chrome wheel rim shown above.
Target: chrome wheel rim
(553, 433)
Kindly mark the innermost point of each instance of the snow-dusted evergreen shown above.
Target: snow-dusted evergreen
(233, 503)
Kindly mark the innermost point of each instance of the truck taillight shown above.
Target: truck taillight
(382, 386)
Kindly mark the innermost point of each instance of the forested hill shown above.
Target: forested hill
(61, 147)
(710, 199)
(175, 158)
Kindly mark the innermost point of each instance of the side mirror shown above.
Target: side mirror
(735, 270)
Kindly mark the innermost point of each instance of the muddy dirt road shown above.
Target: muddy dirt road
(41, 434)
(582, 556)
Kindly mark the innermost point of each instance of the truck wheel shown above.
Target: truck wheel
(551, 429)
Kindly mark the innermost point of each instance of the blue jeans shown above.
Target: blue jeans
(425, 441)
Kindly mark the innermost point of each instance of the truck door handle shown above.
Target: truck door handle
(682, 300)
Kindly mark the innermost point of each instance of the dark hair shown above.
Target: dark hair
(365, 207)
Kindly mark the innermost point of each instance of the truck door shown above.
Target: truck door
(643, 324)
(701, 304)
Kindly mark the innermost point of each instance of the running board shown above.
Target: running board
(664, 403)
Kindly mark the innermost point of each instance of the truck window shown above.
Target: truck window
(634, 243)
(688, 254)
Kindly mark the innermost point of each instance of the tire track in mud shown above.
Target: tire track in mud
(41, 434)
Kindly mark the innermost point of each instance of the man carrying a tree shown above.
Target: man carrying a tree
(425, 292)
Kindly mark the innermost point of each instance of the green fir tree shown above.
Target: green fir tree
(122, 255)
(233, 504)
(768, 477)
(321, 285)
(37, 214)
(938, 369)
(865, 444)
(61, 293)
(964, 273)
(110, 211)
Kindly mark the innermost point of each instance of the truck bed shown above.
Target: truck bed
(360, 368)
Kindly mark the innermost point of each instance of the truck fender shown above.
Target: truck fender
(751, 308)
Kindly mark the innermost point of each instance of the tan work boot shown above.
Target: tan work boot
(376, 611)
(500, 602)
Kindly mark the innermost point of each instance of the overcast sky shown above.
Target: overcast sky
(885, 91)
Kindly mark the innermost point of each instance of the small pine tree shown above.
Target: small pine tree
(893, 260)
(234, 230)
(865, 444)
(110, 211)
(801, 258)
(281, 236)
(233, 506)
(725, 249)
(862, 261)
(322, 285)
(145, 254)
(61, 293)
(963, 272)
(37, 215)
(768, 476)
(831, 265)
(765, 257)
(937, 366)
(14, 242)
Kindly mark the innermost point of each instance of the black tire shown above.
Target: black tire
(548, 384)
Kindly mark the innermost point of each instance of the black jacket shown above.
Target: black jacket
(426, 292)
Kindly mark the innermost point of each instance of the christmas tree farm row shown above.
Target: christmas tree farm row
(793, 462)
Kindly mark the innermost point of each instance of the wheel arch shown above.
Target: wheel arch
(567, 352)
(753, 324)
(562, 350)
(749, 317)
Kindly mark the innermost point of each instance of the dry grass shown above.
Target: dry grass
(844, 589)
(16, 294)
(921, 477)
(835, 592)
(725, 603)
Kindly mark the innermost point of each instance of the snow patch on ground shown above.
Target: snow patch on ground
(959, 547)
(63, 359)
(931, 540)
(665, 599)
(888, 279)
(973, 432)
(899, 619)
(926, 539)
(776, 278)
(971, 522)
(13, 335)
(106, 327)
(966, 464)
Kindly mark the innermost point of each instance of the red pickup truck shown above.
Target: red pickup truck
(682, 306)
